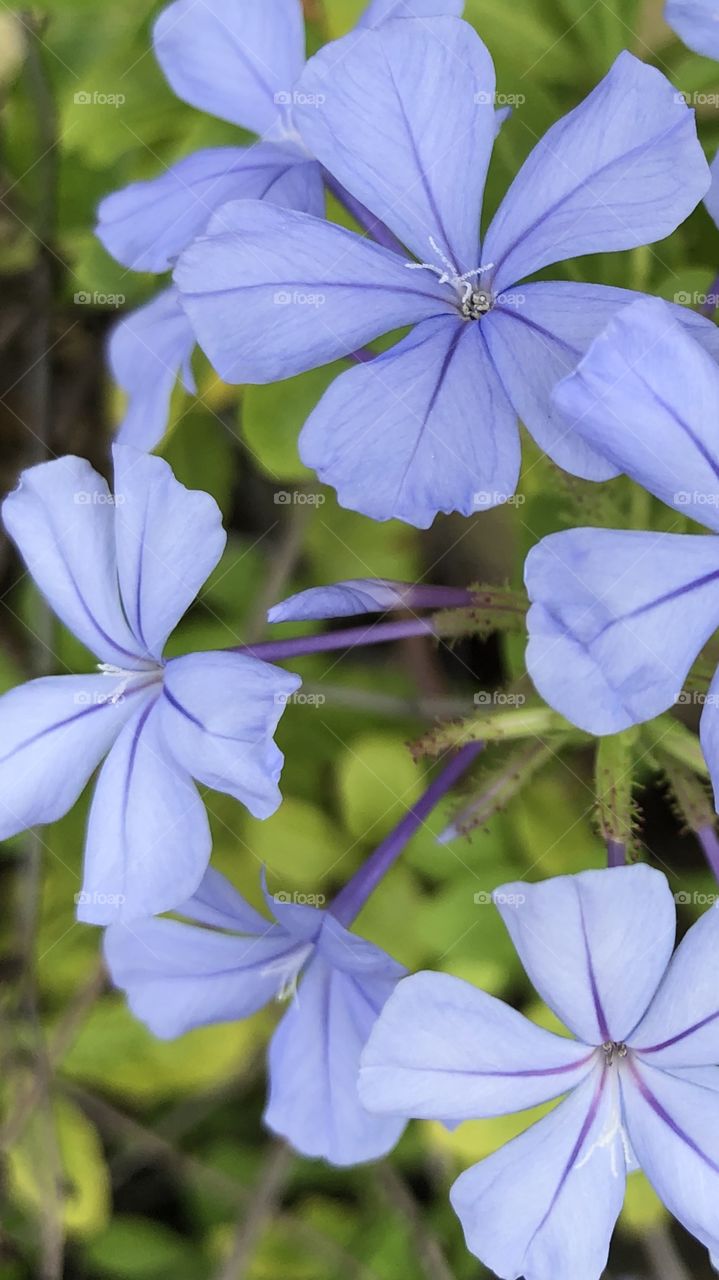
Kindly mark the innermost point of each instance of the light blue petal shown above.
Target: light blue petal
(272, 293)
(149, 350)
(380, 10)
(443, 1049)
(169, 539)
(599, 969)
(237, 61)
(145, 225)
(617, 620)
(674, 1129)
(217, 902)
(61, 517)
(350, 954)
(681, 1026)
(623, 169)
(314, 1063)
(363, 595)
(54, 732)
(366, 113)
(697, 22)
(148, 839)
(537, 335)
(646, 396)
(544, 1206)
(709, 733)
(219, 712)
(711, 199)
(177, 976)
(425, 427)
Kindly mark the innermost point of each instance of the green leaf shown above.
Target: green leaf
(84, 1195)
(378, 782)
(272, 417)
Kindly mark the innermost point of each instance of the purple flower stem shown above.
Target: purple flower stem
(351, 638)
(709, 842)
(616, 853)
(373, 226)
(350, 900)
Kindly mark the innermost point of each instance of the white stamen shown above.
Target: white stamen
(615, 1129)
(287, 968)
(120, 673)
(448, 272)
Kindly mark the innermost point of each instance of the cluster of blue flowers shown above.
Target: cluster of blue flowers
(397, 120)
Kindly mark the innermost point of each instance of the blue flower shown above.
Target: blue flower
(640, 1074)
(178, 976)
(697, 22)
(240, 62)
(618, 617)
(120, 569)
(431, 424)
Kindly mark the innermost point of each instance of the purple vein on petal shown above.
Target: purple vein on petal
(668, 1120)
(681, 1035)
(598, 1007)
(62, 724)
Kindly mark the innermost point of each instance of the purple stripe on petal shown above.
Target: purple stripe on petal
(576, 1149)
(67, 720)
(681, 1035)
(668, 1120)
(601, 1016)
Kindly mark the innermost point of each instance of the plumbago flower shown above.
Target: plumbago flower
(431, 424)
(120, 569)
(697, 22)
(179, 975)
(239, 60)
(617, 617)
(640, 1074)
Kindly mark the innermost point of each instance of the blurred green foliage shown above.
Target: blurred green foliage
(145, 1155)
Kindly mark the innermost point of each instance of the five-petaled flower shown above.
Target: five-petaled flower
(640, 1074)
(120, 569)
(617, 617)
(431, 424)
(179, 975)
(239, 60)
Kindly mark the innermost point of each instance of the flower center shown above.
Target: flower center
(124, 679)
(473, 301)
(613, 1050)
